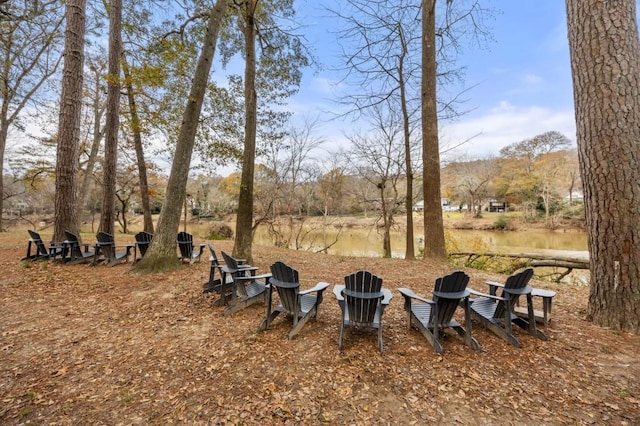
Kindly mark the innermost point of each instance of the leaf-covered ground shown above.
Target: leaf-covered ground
(97, 345)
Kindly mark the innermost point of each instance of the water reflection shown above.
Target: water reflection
(367, 242)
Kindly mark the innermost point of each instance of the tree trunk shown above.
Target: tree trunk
(410, 247)
(69, 122)
(4, 130)
(108, 212)
(244, 222)
(98, 110)
(434, 246)
(137, 141)
(161, 255)
(386, 223)
(605, 63)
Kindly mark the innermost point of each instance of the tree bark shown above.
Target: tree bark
(605, 64)
(161, 255)
(108, 212)
(244, 222)
(137, 141)
(69, 122)
(434, 246)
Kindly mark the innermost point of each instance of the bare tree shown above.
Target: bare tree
(605, 64)
(97, 107)
(30, 48)
(379, 158)
(382, 62)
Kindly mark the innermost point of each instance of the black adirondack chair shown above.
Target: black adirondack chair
(73, 252)
(40, 250)
(188, 252)
(143, 240)
(362, 301)
(431, 317)
(219, 281)
(247, 286)
(300, 306)
(497, 312)
(108, 253)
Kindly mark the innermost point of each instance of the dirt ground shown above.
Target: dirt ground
(95, 345)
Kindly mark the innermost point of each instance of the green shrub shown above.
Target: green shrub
(501, 223)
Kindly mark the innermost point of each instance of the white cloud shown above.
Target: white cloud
(504, 125)
(325, 85)
(530, 78)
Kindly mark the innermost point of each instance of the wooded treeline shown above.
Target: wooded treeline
(176, 106)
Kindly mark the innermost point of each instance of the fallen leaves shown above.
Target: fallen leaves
(99, 345)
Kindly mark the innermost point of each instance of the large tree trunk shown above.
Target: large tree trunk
(137, 141)
(161, 255)
(605, 63)
(244, 222)
(69, 122)
(433, 224)
(108, 212)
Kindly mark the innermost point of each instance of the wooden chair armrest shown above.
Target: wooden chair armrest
(337, 291)
(127, 246)
(254, 277)
(321, 286)
(492, 296)
(241, 268)
(494, 286)
(387, 296)
(409, 294)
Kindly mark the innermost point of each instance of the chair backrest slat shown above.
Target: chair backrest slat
(72, 238)
(516, 285)
(143, 240)
(106, 243)
(41, 249)
(285, 280)
(362, 295)
(447, 293)
(185, 244)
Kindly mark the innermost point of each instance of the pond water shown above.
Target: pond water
(368, 242)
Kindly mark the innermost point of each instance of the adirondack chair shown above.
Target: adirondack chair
(143, 240)
(431, 317)
(299, 305)
(247, 286)
(73, 251)
(41, 251)
(107, 252)
(222, 285)
(362, 301)
(497, 312)
(187, 249)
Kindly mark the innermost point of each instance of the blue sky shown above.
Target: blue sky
(521, 80)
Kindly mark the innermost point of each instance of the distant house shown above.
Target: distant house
(444, 203)
(498, 206)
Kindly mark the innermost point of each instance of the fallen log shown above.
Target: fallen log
(535, 260)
